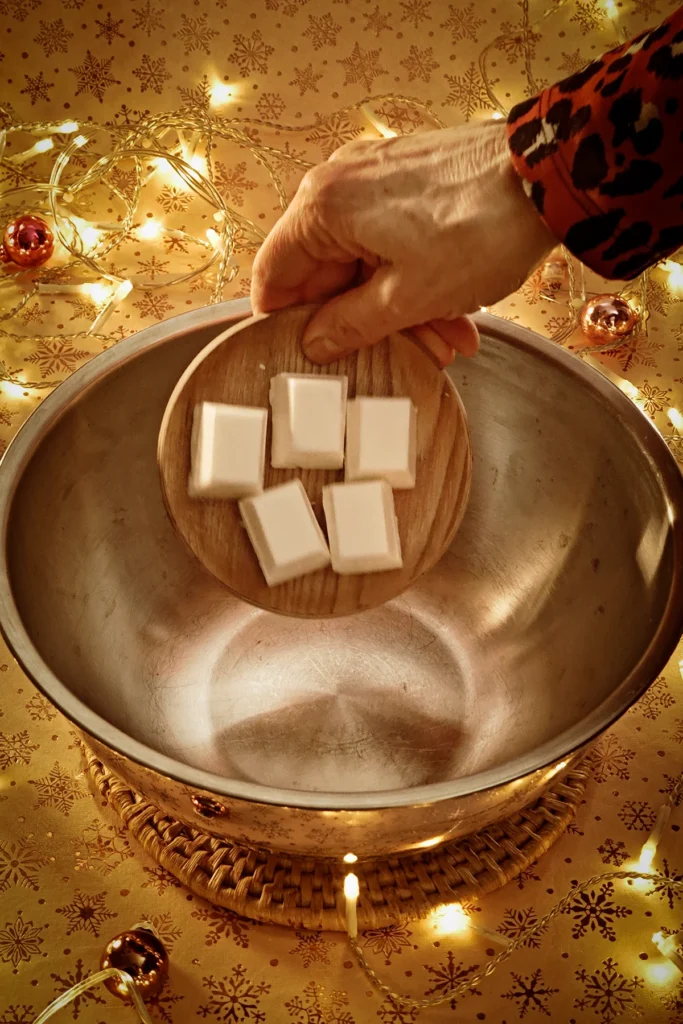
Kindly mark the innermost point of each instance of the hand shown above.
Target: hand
(404, 232)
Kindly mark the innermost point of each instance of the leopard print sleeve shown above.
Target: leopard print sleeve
(601, 154)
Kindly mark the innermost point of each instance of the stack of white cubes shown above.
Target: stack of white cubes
(314, 426)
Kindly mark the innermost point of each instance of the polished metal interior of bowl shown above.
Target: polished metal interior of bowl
(557, 604)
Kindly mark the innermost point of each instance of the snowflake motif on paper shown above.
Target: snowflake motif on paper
(101, 847)
(399, 118)
(664, 889)
(270, 106)
(378, 22)
(72, 978)
(641, 351)
(390, 1013)
(94, 76)
(19, 1015)
(659, 298)
(467, 91)
(419, 64)
(530, 993)
(387, 941)
(447, 974)
(613, 851)
(672, 782)
(39, 709)
(72, 5)
(462, 23)
(609, 759)
(152, 73)
(525, 876)
(516, 921)
(362, 66)
(654, 701)
(312, 948)
(148, 18)
(153, 304)
(33, 314)
(152, 267)
(56, 355)
(109, 29)
(86, 913)
(316, 1006)
(288, 7)
(654, 398)
(645, 8)
(511, 41)
(322, 31)
(83, 309)
(672, 1001)
(588, 15)
(196, 100)
(166, 930)
(19, 941)
(59, 789)
(173, 199)
(160, 879)
(161, 1006)
(232, 181)
(416, 11)
(54, 37)
(18, 9)
(637, 816)
(195, 34)
(305, 79)
(572, 62)
(234, 997)
(251, 53)
(19, 863)
(596, 911)
(607, 992)
(332, 132)
(15, 748)
(223, 923)
(677, 735)
(36, 88)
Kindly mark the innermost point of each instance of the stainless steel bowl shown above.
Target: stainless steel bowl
(559, 602)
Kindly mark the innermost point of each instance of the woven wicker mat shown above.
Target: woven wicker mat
(308, 893)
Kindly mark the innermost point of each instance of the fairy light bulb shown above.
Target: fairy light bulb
(149, 230)
(497, 116)
(676, 419)
(43, 145)
(350, 858)
(450, 919)
(220, 94)
(675, 272)
(611, 9)
(67, 128)
(12, 389)
(96, 291)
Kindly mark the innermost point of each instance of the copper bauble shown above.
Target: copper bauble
(608, 319)
(28, 242)
(141, 955)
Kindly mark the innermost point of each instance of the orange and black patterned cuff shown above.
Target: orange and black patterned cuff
(601, 154)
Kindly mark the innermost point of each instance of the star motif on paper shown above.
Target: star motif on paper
(20, 941)
(607, 992)
(148, 18)
(15, 748)
(153, 304)
(657, 698)
(56, 355)
(36, 88)
(332, 132)
(613, 851)
(232, 181)
(663, 888)
(420, 64)
(251, 53)
(38, 707)
(152, 73)
(101, 847)
(306, 79)
(530, 992)
(86, 913)
(316, 1006)
(462, 23)
(195, 34)
(516, 921)
(223, 924)
(416, 11)
(234, 997)
(637, 816)
(20, 862)
(447, 975)
(467, 92)
(377, 21)
(312, 948)
(322, 31)
(387, 941)
(94, 76)
(59, 789)
(109, 29)
(609, 759)
(653, 398)
(69, 979)
(362, 66)
(53, 37)
(596, 911)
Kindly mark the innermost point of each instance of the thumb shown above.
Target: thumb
(356, 318)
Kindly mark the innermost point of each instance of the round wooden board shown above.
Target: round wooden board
(236, 368)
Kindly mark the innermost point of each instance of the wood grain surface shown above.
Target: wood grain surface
(236, 368)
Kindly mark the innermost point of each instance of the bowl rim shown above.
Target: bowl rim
(555, 752)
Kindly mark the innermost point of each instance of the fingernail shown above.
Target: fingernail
(323, 350)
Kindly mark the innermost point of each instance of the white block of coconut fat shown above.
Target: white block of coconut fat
(381, 441)
(362, 527)
(228, 450)
(309, 420)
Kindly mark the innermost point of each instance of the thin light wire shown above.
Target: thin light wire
(81, 987)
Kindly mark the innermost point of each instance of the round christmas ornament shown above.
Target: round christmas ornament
(608, 319)
(28, 242)
(141, 955)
